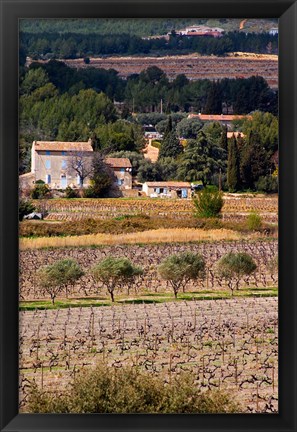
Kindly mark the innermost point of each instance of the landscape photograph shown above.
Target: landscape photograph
(148, 216)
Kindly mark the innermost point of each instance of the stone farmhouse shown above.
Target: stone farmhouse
(122, 170)
(53, 162)
(169, 189)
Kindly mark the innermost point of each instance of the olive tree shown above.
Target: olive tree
(233, 266)
(114, 272)
(53, 278)
(179, 269)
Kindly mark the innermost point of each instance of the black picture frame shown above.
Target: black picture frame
(11, 11)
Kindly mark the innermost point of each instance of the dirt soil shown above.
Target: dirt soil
(237, 65)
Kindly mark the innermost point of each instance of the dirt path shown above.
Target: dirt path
(151, 152)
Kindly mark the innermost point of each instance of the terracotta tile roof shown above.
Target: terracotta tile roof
(118, 162)
(218, 117)
(169, 184)
(236, 134)
(27, 175)
(63, 146)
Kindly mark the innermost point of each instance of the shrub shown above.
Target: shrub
(40, 191)
(25, 207)
(105, 389)
(156, 144)
(208, 203)
(254, 221)
(70, 193)
(268, 184)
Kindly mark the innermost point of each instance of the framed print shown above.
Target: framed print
(148, 244)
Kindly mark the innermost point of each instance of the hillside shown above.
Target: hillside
(241, 65)
(140, 27)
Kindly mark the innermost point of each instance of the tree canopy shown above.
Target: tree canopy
(180, 269)
(114, 272)
(54, 277)
(233, 266)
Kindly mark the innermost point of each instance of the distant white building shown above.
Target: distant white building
(273, 31)
(169, 189)
(151, 133)
(202, 31)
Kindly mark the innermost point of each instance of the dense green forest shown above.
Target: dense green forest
(138, 27)
(61, 103)
(144, 92)
(72, 45)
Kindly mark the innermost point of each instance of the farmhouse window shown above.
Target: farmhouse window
(64, 164)
(48, 179)
(63, 153)
(184, 193)
(48, 164)
(47, 152)
(63, 182)
(122, 170)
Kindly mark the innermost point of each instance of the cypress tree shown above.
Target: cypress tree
(245, 166)
(233, 166)
(214, 100)
(259, 161)
(169, 127)
(224, 139)
(253, 161)
(170, 146)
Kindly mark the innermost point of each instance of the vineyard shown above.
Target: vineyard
(230, 345)
(78, 209)
(193, 66)
(148, 257)
(226, 342)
